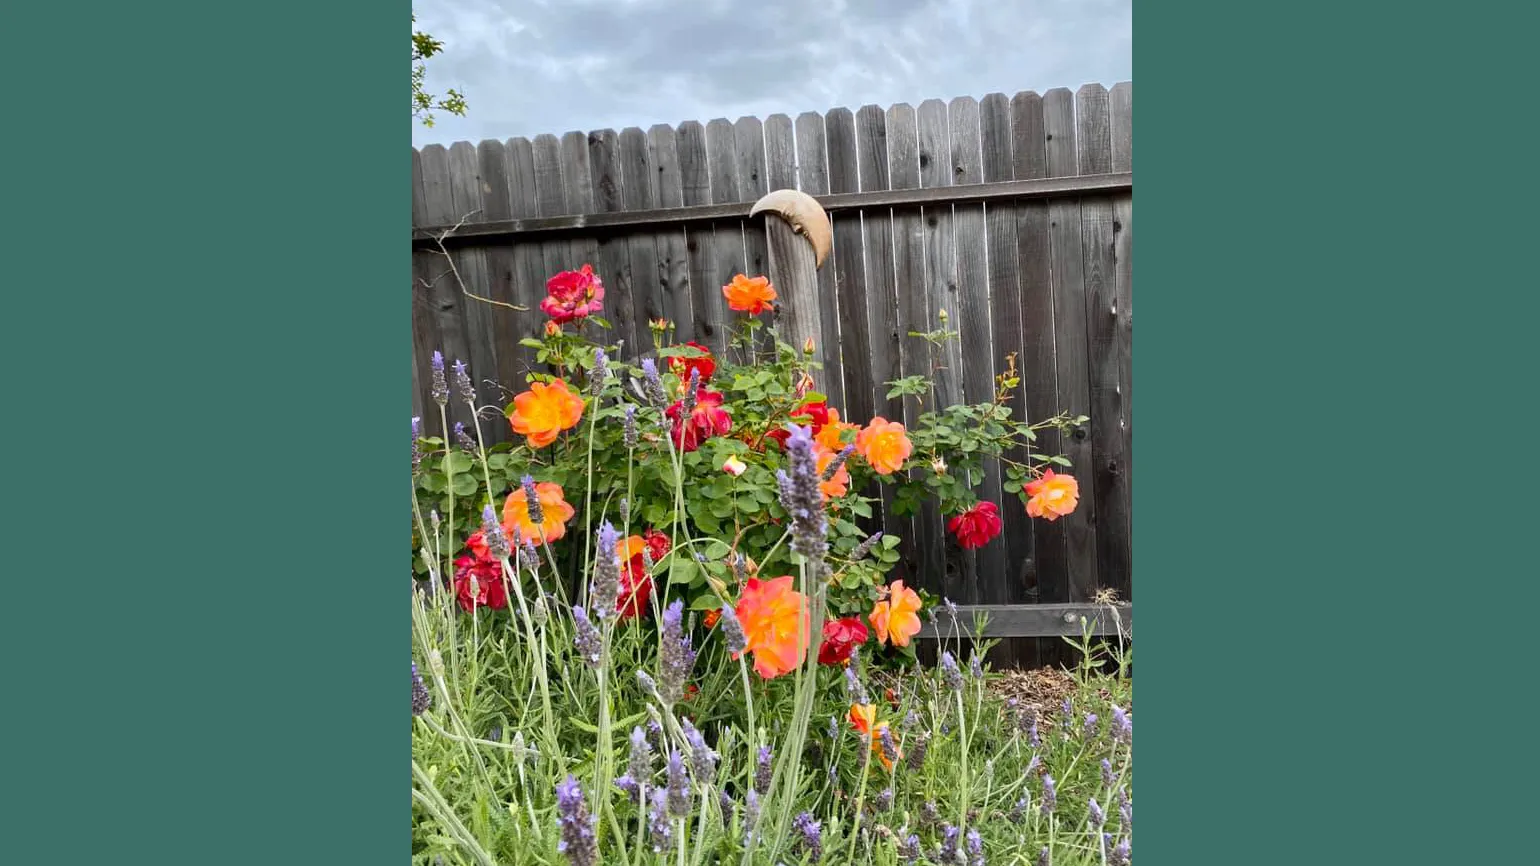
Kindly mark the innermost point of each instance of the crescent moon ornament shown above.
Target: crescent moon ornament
(806, 216)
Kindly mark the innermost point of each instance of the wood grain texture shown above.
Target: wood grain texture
(850, 269)
(1104, 330)
(612, 255)
(708, 309)
(973, 316)
(727, 248)
(1070, 341)
(466, 191)
(638, 192)
(1122, 105)
(1004, 567)
(749, 141)
(442, 292)
(508, 325)
(813, 179)
(673, 251)
(940, 254)
(1034, 620)
(924, 550)
(577, 186)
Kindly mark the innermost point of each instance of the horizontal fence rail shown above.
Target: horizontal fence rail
(1033, 620)
(1058, 187)
(1012, 213)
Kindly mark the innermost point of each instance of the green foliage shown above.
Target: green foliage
(424, 104)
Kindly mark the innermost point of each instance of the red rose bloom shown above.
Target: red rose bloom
(815, 413)
(681, 367)
(840, 639)
(977, 526)
(707, 419)
(480, 582)
(478, 545)
(657, 544)
(635, 590)
(573, 295)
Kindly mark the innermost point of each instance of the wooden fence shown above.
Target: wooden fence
(1014, 214)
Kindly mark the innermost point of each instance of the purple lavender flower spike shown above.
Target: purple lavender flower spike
(762, 769)
(1125, 810)
(629, 434)
(532, 501)
(1122, 725)
(659, 828)
(889, 747)
(625, 511)
(1042, 857)
(677, 656)
(733, 638)
(440, 384)
(929, 813)
(416, 445)
(606, 589)
(1107, 775)
(1122, 855)
(884, 800)
(652, 384)
(916, 757)
(463, 383)
(678, 786)
(951, 608)
(577, 827)
(811, 836)
(421, 699)
(834, 728)
(691, 394)
(703, 761)
(463, 439)
(950, 674)
(589, 645)
(975, 667)
(750, 817)
(910, 720)
(1090, 726)
(600, 371)
(803, 499)
(947, 852)
(975, 849)
(1019, 811)
(638, 768)
(492, 531)
(909, 849)
(1050, 796)
(655, 731)
(725, 803)
(865, 547)
(853, 687)
(650, 686)
(838, 461)
(1033, 738)
(1095, 814)
(1068, 710)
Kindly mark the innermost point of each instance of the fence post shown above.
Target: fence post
(794, 263)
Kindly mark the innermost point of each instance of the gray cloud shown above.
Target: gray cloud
(535, 66)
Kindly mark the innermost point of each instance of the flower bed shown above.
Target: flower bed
(652, 591)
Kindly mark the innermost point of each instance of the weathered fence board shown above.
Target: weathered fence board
(1013, 213)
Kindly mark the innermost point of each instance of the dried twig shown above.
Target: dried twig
(456, 271)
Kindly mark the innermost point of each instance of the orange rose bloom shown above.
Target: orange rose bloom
(772, 613)
(863, 717)
(835, 487)
(897, 617)
(885, 445)
(544, 411)
(750, 295)
(1053, 496)
(554, 509)
(831, 434)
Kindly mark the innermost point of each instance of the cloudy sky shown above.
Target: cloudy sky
(533, 66)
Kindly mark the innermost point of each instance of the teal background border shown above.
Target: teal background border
(206, 322)
(206, 325)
